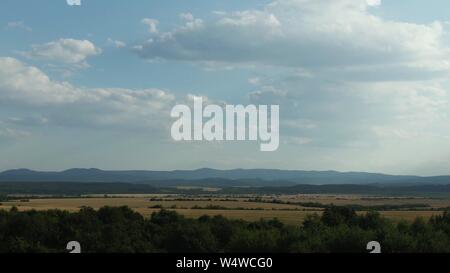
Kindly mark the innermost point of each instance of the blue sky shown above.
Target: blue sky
(362, 84)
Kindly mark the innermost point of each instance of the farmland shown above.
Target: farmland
(290, 209)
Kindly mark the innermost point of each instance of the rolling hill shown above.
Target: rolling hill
(219, 178)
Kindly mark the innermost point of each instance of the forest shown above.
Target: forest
(121, 230)
(224, 186)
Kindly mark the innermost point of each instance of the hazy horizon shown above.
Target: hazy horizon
(215, 169)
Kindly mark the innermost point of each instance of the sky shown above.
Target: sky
(363, 85)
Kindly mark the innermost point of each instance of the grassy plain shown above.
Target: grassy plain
(234, 207)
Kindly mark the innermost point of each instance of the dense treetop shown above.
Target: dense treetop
(121, 230)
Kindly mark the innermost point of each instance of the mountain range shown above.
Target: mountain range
(213, 177)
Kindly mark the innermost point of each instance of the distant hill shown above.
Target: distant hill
(218, 178)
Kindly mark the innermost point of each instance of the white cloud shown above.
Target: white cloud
(187, 16)
(67, 51)
(340, 114)
(374, 3)
(152, 24)
(29, 89)
(7, 132)
(116, 43)
(254, 81)
(28, 120)
(309, 34)
(18, 25)
(250, 18)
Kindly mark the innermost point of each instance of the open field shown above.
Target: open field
(343, 200)
(139, 202)
(234, 207)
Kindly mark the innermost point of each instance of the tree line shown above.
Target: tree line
(121, 230)
(226, 188)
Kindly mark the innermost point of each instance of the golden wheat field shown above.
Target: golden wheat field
(232, 207)
(342, 200)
